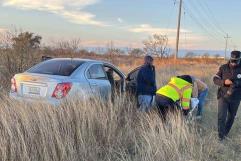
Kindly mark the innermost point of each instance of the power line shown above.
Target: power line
(194, 19)
(202, 25)
(233, 44)
(210, 26)
(170, 17)
(185, 33)
(212, 21)
(205, 18)
(211, 18)
(214, 18)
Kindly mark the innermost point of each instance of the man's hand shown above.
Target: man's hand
(228, 82)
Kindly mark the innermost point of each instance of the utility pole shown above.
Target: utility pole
(178, 29)
(226, 46)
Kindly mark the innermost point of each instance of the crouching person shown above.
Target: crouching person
(174, 96)
(146, 85)
(200, 91)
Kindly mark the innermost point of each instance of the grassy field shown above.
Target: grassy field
(91, 131)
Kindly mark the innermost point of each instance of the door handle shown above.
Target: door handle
(94, 84)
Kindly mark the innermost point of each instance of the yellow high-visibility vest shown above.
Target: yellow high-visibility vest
(177, 89)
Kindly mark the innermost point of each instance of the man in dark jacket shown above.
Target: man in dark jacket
(146, 84)
(228, 79)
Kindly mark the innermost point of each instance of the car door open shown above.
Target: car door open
(116, 79)
(98, 81)
(131, 81)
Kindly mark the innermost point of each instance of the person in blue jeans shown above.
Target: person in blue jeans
(146, 85)
(200, 91)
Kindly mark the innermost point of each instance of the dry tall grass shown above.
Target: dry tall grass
(97, 131)
(93, 130)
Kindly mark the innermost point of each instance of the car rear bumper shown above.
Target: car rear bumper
(50, 101)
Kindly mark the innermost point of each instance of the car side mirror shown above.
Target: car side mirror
(44, 58)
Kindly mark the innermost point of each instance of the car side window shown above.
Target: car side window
(96, 72)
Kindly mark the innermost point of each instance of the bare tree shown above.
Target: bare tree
(18, 51)
(156, 45)
(217, 56)
(190, 55)
(112, 52)
(70, 47)
(24, 45)
(136, 52)
(206, 55)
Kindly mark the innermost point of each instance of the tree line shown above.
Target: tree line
(21, 50)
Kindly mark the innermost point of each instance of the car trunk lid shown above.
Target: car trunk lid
(37, 85)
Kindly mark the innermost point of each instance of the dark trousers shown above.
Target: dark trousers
(165, 105)
(226, 114)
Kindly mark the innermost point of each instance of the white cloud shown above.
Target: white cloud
(190, 38)
(47, 4)
(81, 18)
(72, 10)
(148, 29)
(120, 20)
(117, 43)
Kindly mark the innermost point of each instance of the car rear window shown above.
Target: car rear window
(57, 67)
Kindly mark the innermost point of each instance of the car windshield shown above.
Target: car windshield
(56, 67)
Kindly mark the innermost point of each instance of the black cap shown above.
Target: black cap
(235, 55)
(187, 78)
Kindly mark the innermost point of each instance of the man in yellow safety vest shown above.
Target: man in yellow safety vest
(176, 94)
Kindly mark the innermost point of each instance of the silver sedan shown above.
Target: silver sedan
(55, 80)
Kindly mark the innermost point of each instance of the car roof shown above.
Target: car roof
(89, 61)
(80, 59)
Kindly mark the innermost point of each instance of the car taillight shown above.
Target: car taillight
(13, 85)
(61, 90)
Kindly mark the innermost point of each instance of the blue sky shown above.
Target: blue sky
(126, 22)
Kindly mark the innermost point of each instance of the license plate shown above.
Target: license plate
(34, 90)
